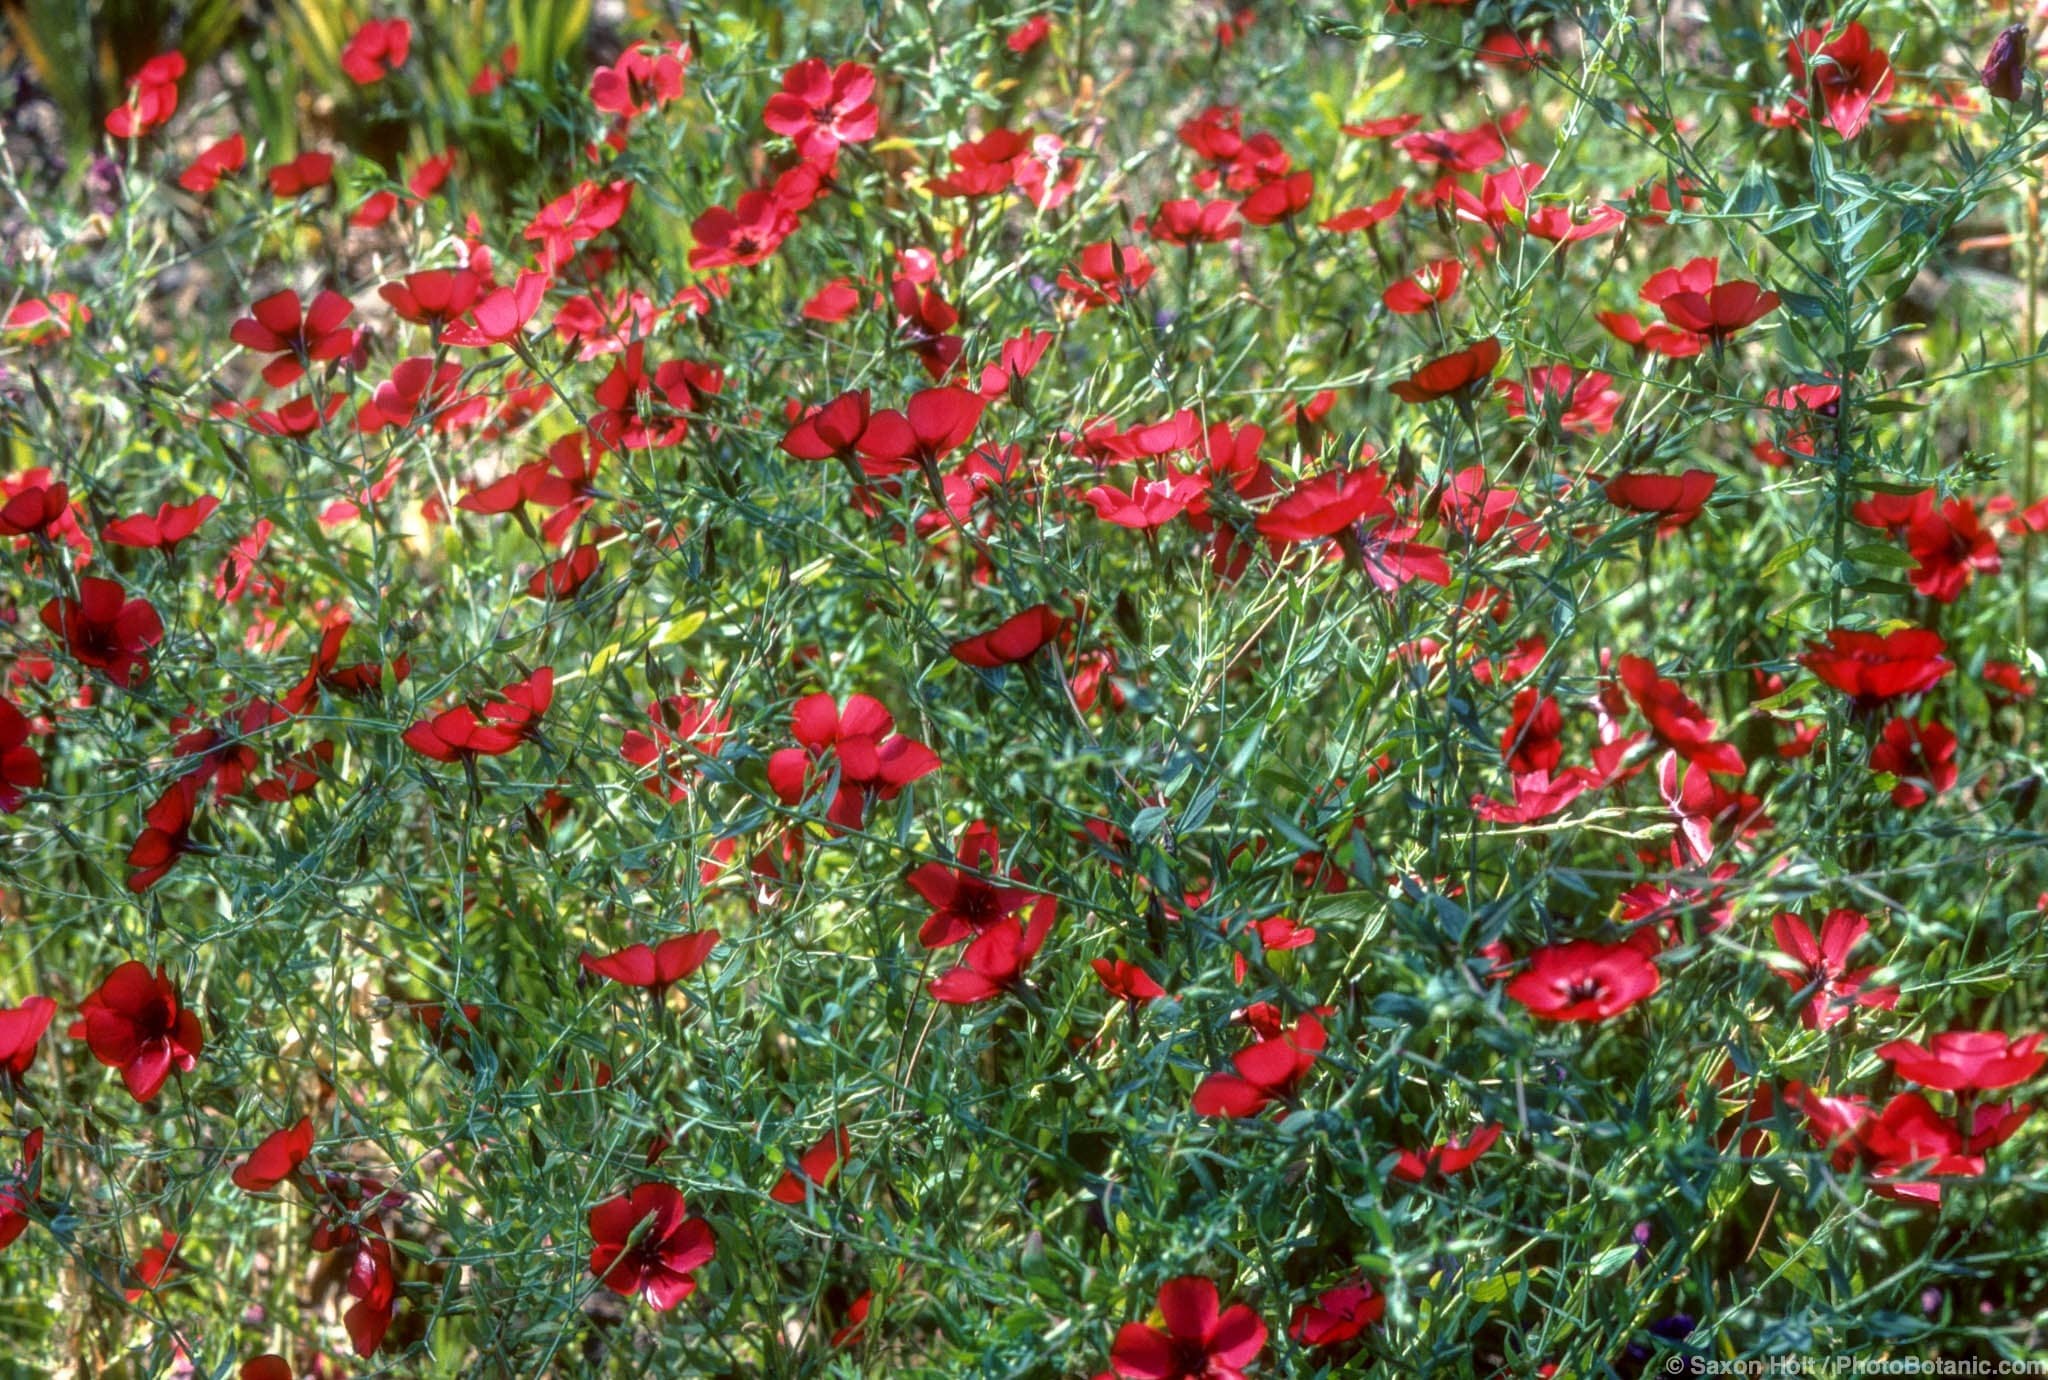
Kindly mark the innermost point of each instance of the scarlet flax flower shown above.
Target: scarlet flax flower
(647, 1244)
(134, 1022)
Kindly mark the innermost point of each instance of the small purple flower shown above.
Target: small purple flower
(2005, 68)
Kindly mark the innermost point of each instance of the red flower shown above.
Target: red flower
(1692, 300)
(1326, 505)
(1823, 964)
(647, 75)
(872, 759)
(932, 425)
(1126, 981)
(16, 1192)
(1872, 668)
(996, 959)
(1584, 980)
(275, 326)
(36, 504)
(1578, 402)
(1849, 76)
(821, 107)
(655, 968)
(1016, 638)
(1106, 273)
(1194, 222)
(21, 770)
(503, 724)
(152, 97)
(831, 431)
(819, 1165)
(21, 1030)
(215, 161)
(1425, 288)
(1149, 503)
(166, 836)
(1456, 150)
(965, 902)
(671, 1245)
(1278, 200)
(683, 729)
(1966, 1060)
(268, 1366)
(751, 231)
(1365, 217)
(1451, 375)
(1676, 498)
(172, 523)
(378, 47)
(1951, 547)
(276, 1158)
(104, 629)
(1677, 722)
(134, 1023)
(582, 213)
(372, 1282)
(1337, 1315)
(1199, 1342)
(1452, 1157)
(303, 174)
(1922, 756)
(1271, 1070)
(1667, 341)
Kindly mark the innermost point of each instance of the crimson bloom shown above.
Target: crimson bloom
(1451, 1157)
(1950, 547)
(671, 1245)
(1966, 1060)
(873, 761)
(1921, 755)
(215, 161)
(21, 1030)
(276, 1158)
(1692, 299)
(1584, 980)
(106, 630)
(1201, 1340)
(1326, 505)
(1106, 273)
(1337, 1315)
(995, 959)
(821, 107)
(751, 231)
(820, 1165)
(1873, 668)
(36, 505)
(831, 431)
(1823, 964)
(162, 531)
(1016, 638)
(377, 47)
(502, 725)
(964, 900)
(1453, 375)
(1271, 1070)
(1848, 74)
(1427, 287)
(166, 836)
(152, 97)
(655, 968)
(1675, 499)
(1126, 981)
(21, 769)
(305, 173)
(16, 1189)
(933, 424)
(1677, 722)
(1278, 200)
(681, 728)
(133, 1022)
(296, 337)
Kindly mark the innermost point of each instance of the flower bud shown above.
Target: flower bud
(2005, 67)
